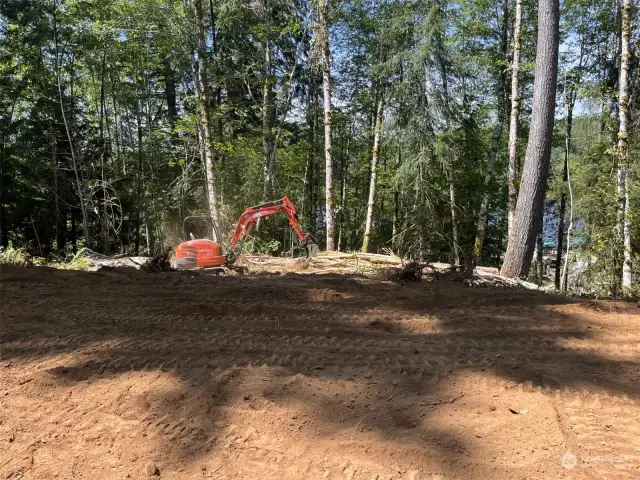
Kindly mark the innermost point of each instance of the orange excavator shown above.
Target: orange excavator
(209, 253)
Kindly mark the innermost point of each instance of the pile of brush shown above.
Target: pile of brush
(158, 264)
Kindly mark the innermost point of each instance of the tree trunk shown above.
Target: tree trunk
(565, 268)
(170, 92)
(79, 185)
(526, 222)
(116, 133)
(218, 126)
(205, 104)
(447, 161)
(624, 211)
(512, 178)
(569, 103)
(313, 171)
(455, 246)
(343, 193)
(139, 200)
(271, 123)
(627, 265)
(267, 110)
(540, 251)
(396, 204)
(74, 233)
(308, 205)
(495, 142)
(200, 131)
(4, 240)
(4, 232)
(147, 234)
(60, 221)
(323, 30)
(561, 215)
(103, 151)
(484, 203)
(374, 163)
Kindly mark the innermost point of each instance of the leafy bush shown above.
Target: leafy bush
(78, 263)
(15, 256)
(261, 247)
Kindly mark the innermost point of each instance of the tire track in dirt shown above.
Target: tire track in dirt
(287, 384)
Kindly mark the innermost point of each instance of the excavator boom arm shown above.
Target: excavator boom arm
(252, 214)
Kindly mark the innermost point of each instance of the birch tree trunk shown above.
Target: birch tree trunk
(565, 268)
(455, 249)
(569, 101)
(267, 110)
(624, 221)
(512, 178)
(323, 31)
(343, 200)
(204, 104)
(343, 190)
(526, 222)
(495, 144)
(308, 205)
(374, 164)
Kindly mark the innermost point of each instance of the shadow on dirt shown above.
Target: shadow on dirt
(272, 344)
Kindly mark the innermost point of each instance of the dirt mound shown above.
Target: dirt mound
(116, 374)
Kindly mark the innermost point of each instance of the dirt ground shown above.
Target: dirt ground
(120, 374)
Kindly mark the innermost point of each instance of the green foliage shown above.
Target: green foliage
(268, 247)
(15, 256)
(127, 75)
(78, 263)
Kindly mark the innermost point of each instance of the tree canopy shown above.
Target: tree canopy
(119, 118)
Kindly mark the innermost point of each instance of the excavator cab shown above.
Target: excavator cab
(201, 247)
(199, 227)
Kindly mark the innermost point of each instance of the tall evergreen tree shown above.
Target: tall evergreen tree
(528, 214)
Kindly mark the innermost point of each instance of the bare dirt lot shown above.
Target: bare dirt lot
(120, 374)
